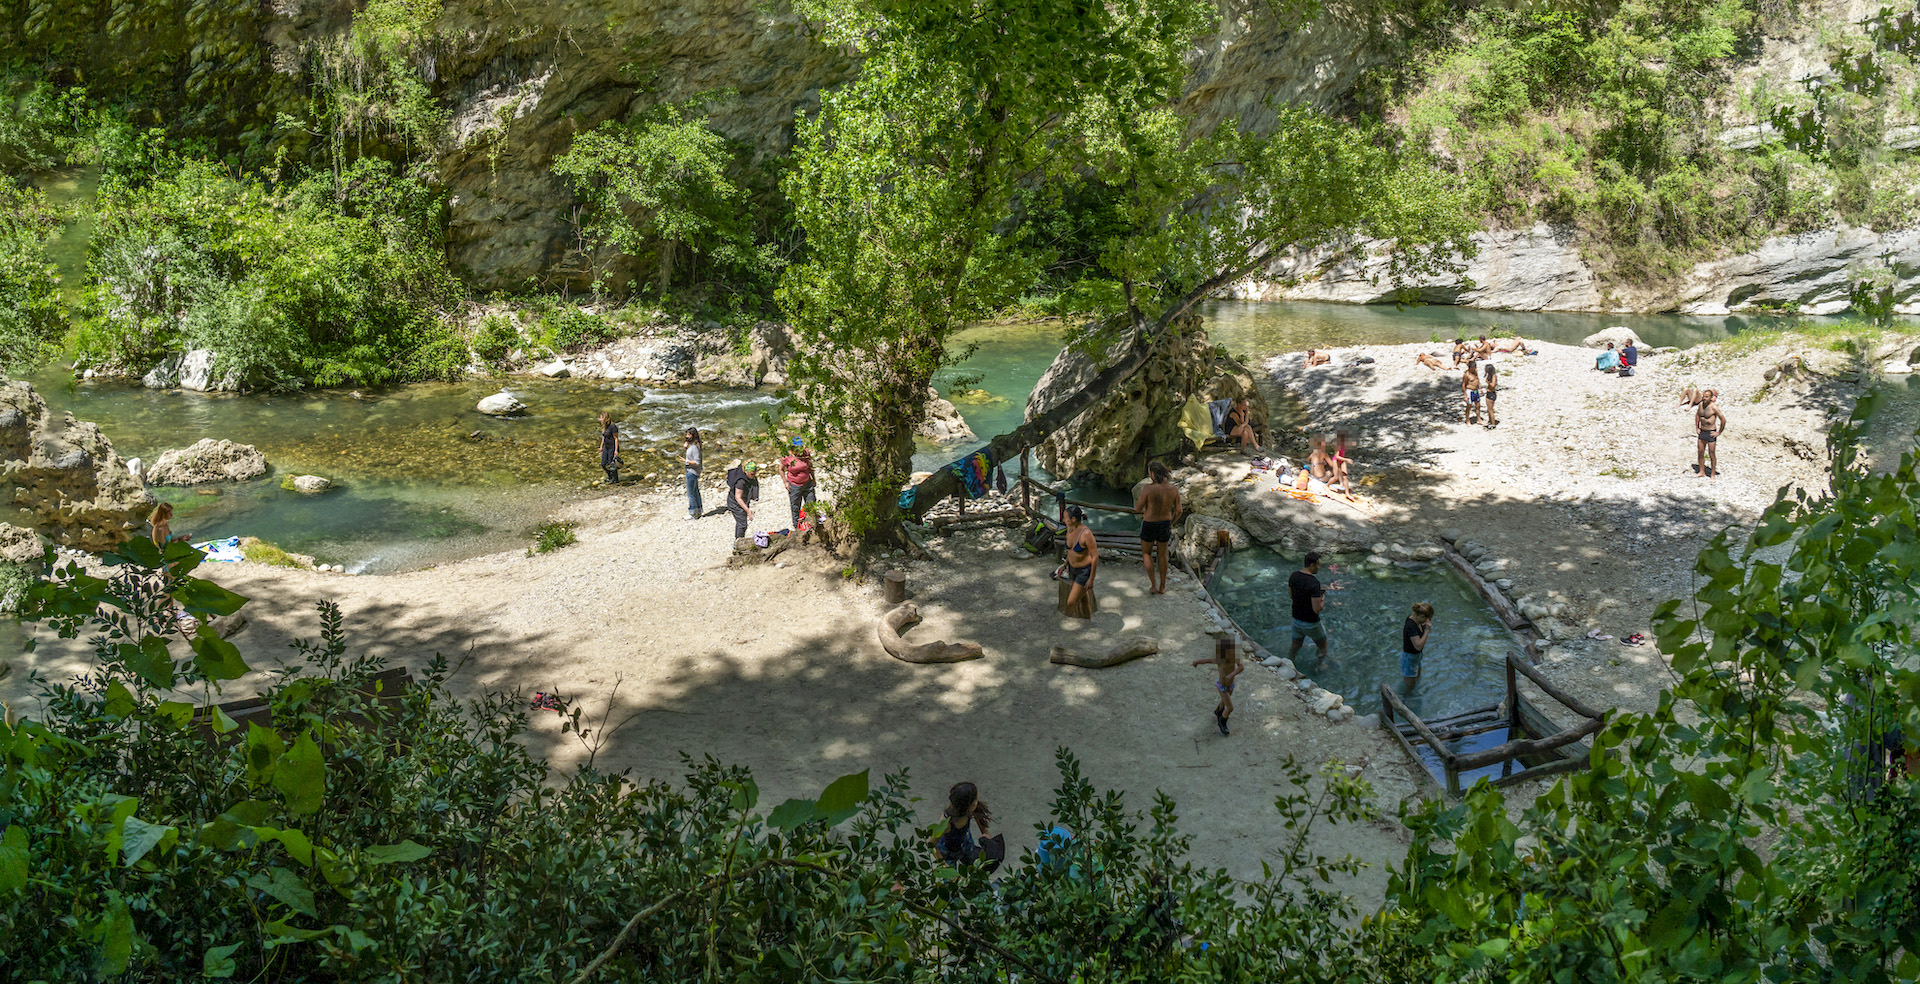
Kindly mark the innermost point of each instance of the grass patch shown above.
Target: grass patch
(1851, 336)
(262, 552)
(548, 537)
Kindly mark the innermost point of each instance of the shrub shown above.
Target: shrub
(567, 329)
(262, 552)
(327, 281)
(496, 336)
(551, 536)
(31, 317)
(15, 579)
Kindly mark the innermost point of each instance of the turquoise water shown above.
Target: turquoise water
(1463, 666)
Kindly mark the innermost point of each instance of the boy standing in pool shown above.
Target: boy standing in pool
(1413, 641)
(1226, 658)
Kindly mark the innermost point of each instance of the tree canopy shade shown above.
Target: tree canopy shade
(914, 184)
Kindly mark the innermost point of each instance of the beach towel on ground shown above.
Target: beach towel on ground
(225, 551)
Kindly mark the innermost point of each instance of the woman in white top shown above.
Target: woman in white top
(693, 472)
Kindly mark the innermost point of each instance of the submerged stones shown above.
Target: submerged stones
(207, 461)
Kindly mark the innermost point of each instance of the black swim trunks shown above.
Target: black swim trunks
(1708, 437)
(1081, 575)
(1156, 531)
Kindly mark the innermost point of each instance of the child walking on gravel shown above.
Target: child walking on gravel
(1226, 658)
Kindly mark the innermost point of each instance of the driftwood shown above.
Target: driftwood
(1127, 650)
(1495, 600)
(905, 617)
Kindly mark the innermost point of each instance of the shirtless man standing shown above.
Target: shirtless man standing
(1470, 393)
(1158, 503)
(1711, 423)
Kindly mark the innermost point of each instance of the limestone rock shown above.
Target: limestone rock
(1199, 534)
(196, 373)
(1426, 552)
(1812, 272)
(1450, 534)
(1323, 701)
(1617, 335)
(164, 375)
(557, 369)
(20, 546)
(66, 475)
(770, 345)
(943, 423)
(1139, 419)
(1279, 520)
(1380, 560)
(310, 484)
(1534, 269)
(502, 404)
(207, 461)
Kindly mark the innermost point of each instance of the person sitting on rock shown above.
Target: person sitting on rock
(1608, 361)
(1239, 425)
(1461, 352)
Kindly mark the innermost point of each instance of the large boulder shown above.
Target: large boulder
(207, 461)
(770, 345)
(502, 404)
(943, 423)
(1617, 335)
(66, 475)
(1140, 418)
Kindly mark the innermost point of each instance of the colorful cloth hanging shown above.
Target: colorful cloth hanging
(973, 471)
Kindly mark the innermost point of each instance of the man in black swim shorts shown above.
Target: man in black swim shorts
(1158, 504)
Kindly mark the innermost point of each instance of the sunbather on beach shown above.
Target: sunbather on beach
(1461, 352)
(1430, 361)
(1515, 344)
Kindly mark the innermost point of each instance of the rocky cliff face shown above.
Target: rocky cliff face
(66, 475)
(1540, 269)
(1139, 420)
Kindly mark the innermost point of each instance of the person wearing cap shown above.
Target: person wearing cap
(743, 487)
(796, 469)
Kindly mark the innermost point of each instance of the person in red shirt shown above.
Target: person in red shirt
(796, 469)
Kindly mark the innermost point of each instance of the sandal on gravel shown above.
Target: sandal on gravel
(1597, 634)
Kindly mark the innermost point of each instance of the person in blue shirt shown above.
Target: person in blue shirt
(1609, 361)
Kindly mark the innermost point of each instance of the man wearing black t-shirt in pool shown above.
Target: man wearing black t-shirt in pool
(1413, 641)
(1308, 599)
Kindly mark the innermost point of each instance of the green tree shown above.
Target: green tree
(662, 185)
(31, 317)
(915, 183)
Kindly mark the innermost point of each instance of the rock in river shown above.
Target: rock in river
(66, 474)
(309, 484)
(501, 404)
(207, 461)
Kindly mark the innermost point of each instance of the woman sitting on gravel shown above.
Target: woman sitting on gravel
(1609, 361)
(1317, 358)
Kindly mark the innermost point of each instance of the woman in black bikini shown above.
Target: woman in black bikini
(1240, 425)
(955, 842)
(1083, 560)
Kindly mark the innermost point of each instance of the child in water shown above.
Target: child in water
(1226, 657)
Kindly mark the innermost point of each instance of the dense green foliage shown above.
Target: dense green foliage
(660, 186)
(313, 282)
(31, 321)
(1609, 118)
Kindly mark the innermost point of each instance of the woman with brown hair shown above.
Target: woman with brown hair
(609, 448)
(955, 842)
(692, 459)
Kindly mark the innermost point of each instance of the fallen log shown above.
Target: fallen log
(1125, 651)
(905, 617)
